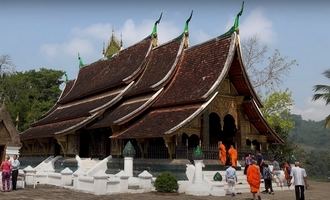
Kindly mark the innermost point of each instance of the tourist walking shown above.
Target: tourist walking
(287, 172)
(222, 153)
(267, 174)
(248, 161)
(15, 165)
(276, 171)
(5, 167)
(233, 155)
(231, 179)
(299, 180)
(254, 179)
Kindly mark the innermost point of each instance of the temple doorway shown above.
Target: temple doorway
(85, 140)
(57, 149)
(214, 129)
(2, 152)
(229, 131)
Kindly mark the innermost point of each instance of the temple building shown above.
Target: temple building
(9, 138)
(166, 99)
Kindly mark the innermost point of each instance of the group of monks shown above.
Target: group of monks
(253, 170)
(232, 152)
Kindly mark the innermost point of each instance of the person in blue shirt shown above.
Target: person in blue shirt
(14, 174)
(231, 179)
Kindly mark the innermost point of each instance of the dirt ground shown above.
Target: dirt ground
(316, 191)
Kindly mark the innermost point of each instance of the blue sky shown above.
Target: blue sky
(50, 33)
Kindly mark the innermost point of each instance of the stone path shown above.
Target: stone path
(317, 191)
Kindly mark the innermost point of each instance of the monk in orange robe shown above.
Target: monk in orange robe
(254, 179)
(233, 156)
(222, 153)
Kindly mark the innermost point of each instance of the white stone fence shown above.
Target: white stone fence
(95, 182)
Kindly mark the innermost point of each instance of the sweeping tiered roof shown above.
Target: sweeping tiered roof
(148, 92)
(192, 88)
(98, 86)
(158, 71)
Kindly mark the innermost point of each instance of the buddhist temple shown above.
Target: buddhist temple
(9, 138)
(164, 98)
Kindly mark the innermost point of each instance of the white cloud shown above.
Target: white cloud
(200, 36)
(312, 110)
(133, 32)
(256, 23)
(88, 40)
(99, 31)
(70, 48)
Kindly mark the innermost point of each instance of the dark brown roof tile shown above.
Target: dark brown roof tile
(200, 68)
(105, 74)
(49, 130)
(156, 123)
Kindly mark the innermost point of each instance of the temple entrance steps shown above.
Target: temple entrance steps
(85, 164)
(91, 166)
(242, 186)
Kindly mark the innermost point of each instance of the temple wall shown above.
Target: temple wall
(227, 102)
(38, 147)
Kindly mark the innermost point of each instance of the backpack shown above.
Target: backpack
(267, 174)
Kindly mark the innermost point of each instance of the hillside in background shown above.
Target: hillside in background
(310, 135)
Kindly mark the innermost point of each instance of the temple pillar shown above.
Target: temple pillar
(170, 145)
(73, 144)
(143, 146)
(45, 145)
(63, 142)
(116, 147)
(205, 132)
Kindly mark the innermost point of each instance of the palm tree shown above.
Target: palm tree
(323, 92)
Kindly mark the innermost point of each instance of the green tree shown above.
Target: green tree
(323, 92)
(30, 94)
(277, 112)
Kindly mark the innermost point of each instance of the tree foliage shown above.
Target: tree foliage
(166, 182)
(313, 141)
(30, 94)
(266, 72)
(323, 92)
(6, 65)
(276, 111)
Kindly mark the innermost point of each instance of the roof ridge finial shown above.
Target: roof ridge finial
(186, 26)
(186, 31)
(236, 22)
(81, 64)
(234, 28)
(113, 32)
(103, 50)
(154, 34)
(121, 40)
(66, 77)
(154, 29)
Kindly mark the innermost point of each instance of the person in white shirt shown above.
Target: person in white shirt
(231, 179)
(15, 167)
(299, 180)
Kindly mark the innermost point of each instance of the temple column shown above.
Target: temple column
(73, 144)
(205, 132)
(170, 145)
(143, 146)
(63, 142)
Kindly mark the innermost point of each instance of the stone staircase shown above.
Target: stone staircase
(86, 163)
(242, 186)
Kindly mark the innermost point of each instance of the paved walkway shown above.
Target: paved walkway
(317, 191)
